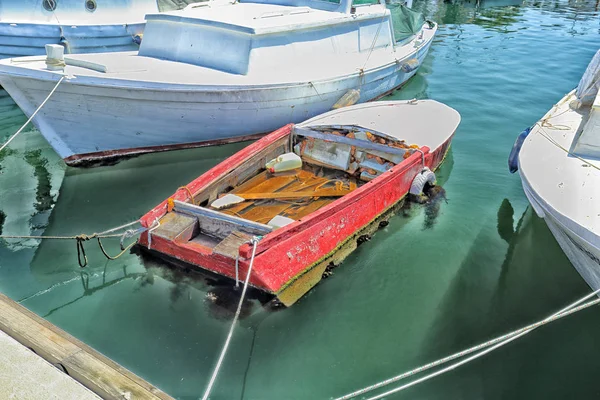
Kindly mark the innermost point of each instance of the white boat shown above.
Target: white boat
(220, 71)
(559, 164)
(82, 26)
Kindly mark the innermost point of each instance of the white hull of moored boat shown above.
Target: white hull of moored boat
(584, 256)
(560, 173)
(84, 121)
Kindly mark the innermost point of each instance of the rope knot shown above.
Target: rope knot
(83, 237)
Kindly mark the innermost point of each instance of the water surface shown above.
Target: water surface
(432, 282)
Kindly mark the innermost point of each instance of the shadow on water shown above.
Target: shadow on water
(485, 300)
(222, 294)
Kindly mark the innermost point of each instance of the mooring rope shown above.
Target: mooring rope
(34, 113)
(79, 239)
(254, 242)
(495, 343)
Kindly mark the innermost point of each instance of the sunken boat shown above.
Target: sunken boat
(305, 193)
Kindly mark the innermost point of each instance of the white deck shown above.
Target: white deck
(128, 69)
(410, 121)
(257, 18)
(563, 185)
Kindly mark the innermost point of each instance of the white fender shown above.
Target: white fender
(423, 177)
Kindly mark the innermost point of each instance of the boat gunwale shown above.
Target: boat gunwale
(226, 167)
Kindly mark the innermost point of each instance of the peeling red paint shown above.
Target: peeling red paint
(285, 254)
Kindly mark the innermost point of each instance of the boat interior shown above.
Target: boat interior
(282, 183)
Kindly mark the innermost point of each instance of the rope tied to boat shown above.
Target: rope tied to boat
(34, 113)
(55, 62)
(254, 241)
(82, 259)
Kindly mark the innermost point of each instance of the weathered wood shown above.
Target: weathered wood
(173, 225)
(359, 144)
(230, 246)
(295, 195)
(98, 373)
(223, 224)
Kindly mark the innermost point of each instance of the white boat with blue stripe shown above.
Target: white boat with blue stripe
(220, 71)
(82, 26)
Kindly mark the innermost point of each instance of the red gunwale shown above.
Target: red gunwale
(285, 254)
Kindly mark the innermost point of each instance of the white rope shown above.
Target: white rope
(157, 222)
(498, 342)
(235, 318)
(33, 115)
(118, 228)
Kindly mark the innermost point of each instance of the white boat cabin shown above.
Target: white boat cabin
(75, 12)
(238, 37)
(587, 143)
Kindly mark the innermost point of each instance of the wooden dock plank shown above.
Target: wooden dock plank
(98, 373)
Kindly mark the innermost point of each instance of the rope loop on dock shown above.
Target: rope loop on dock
(489, 346)
(34, 113)
(254, 241)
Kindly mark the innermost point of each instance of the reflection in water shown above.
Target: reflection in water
(43, 195)
(2, 219)
(410, 297)
(500, 15)
(88, 291)
(486, 300)
(436, 196)
(221, 297)
(505, 221)
(221, 300)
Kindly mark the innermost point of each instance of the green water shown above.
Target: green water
(428, 284)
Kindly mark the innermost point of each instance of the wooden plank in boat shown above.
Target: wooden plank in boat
(295, 195)
(230, 246)
(359, 144)
(265, 212)
(223, 224)
(301, 212)
(173, 224)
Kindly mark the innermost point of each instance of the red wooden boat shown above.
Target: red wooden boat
(357, 165)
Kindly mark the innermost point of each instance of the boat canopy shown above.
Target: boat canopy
(237, 38)
(406, 22)
(588, 143)
(590, 82)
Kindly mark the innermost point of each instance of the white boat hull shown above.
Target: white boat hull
(560, 173)
(84, 122)
(584, 256)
